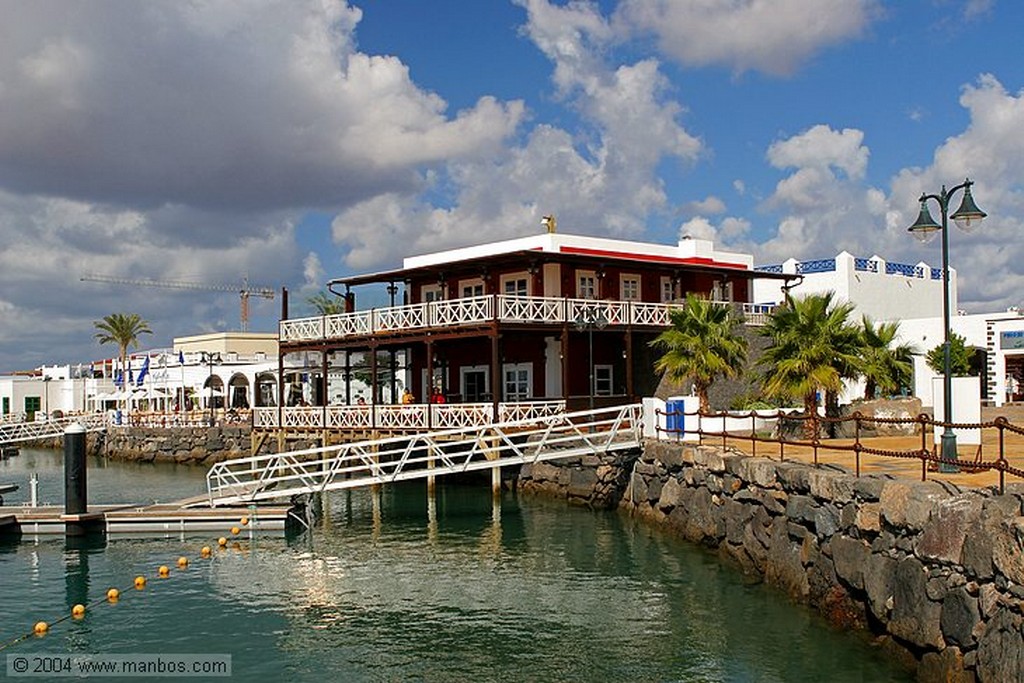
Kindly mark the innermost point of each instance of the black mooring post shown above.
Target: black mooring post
(76, 499)
(77, 520)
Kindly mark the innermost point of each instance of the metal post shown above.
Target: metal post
(948, 435)
(75, 491)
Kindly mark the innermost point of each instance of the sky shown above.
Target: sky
(294, 141)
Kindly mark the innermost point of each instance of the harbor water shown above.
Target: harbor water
(402, 587)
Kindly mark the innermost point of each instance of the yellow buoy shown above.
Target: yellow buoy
(140, 582)
(182, 562)
(41, 628)
(222, 541)
(78, 611)
(163, 572)
(113, 594)
(205, 552)
(235, 530)
(244, 521)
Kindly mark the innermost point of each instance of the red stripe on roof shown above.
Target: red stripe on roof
(654, 258)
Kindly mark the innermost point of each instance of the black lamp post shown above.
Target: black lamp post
(588, 318)
(210, 358)
(967, 217)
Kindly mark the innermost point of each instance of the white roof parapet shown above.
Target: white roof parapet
(687, 248)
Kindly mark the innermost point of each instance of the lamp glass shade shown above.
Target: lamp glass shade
(924, 228)
(968, 217)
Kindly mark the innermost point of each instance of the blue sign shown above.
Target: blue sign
(1013, 339)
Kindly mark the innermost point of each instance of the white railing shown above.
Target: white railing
(462, 311)
(530, 309)
(416, 417)
(16, 432)
(296, 329)
(400, 317)
(349, 324)
(508, 412)
(432, 454)
(481, 309)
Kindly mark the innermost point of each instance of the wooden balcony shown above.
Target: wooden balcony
(481, 310)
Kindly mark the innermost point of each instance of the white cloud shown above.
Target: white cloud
(773, 36)
(171, 140)
(218, 104)
(710, 204)
(822, 148)
(991, 152)
(602, 180)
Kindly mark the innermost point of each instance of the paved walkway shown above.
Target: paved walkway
(1013, 448)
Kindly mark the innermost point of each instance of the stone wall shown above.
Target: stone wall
(193, 445)
(937, 573)
(597, 481)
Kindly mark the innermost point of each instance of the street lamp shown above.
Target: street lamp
(967, 217)
(210, 358)
(588, 318)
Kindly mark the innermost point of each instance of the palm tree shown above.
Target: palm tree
(885, 367)
(701, 345)
(812, 347)
(325, 304)
(122, 329)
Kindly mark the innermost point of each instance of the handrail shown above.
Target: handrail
(485, 309)
(812, 427)
(17, 432)
(423, 455)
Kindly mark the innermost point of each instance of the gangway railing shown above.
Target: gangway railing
(19, 432)
(433, 454)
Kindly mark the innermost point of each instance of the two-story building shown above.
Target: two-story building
(546, 319)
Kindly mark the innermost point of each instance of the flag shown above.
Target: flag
(143, 372)
(181, 357)
(131, 375)
(118, 379)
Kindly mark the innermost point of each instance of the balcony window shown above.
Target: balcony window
(515, 286)
(431, 293)
(629, 288)
(471, 288)
(667, 290)
(586, 285)
(518, 378)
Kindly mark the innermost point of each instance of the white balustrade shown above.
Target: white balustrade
(481, 309)
(474, 309)
(531, 309)
(348, 324)
(457, 415)
(303, 417)
(400, 317)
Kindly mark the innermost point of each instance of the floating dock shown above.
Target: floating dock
(160, 520)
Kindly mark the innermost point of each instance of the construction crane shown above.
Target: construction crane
(245, 290)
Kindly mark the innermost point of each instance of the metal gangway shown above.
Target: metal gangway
(423, 456)
(20, 432)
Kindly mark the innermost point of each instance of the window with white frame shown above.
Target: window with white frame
(515, 285)
(430, 293)
(629, 288)
(586, 284)
(517, 381)
(470, 288)
(667, 290)
(603, 380)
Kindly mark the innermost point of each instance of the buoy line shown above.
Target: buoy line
(113, 595)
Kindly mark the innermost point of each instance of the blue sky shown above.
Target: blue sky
(292, 141)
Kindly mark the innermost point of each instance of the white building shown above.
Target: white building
(880, 289)
(912, 296)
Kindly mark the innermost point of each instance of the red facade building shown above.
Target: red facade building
(555, 320)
